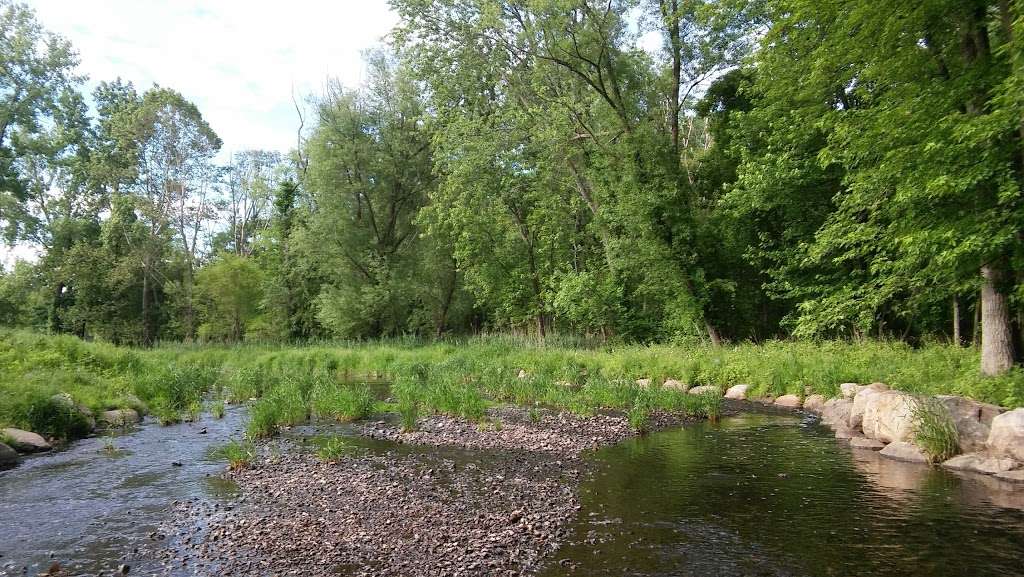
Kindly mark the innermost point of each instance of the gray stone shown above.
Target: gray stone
(8, 456)
(844, 432)
(1006, 435)
(981, 463)
(1015, 476)
(705, 390)
(814, 404)
(860, 399)
(643, 383)
(119, 417)
(788, 401)
(972, 419)
(866, 443)
(836, 412)
(848, 390)
(26, 441)
(888, 415)
(738, 392)
(902, 451)
(674, 385)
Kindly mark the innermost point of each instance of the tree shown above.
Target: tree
(229, 290)
(907, 108)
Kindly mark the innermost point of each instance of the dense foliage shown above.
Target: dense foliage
(687, 171)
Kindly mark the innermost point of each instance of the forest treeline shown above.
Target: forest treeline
(629, 170)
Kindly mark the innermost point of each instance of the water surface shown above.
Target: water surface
(764, 495)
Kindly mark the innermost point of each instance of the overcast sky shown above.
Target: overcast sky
(238, 61)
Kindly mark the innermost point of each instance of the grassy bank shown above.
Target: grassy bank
(288, 385)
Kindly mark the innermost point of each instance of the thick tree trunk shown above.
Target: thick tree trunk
(957, 339)
(996, 337)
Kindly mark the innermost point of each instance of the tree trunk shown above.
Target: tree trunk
(996, 337)
(147, 328)
(957, 340)
(716, 340)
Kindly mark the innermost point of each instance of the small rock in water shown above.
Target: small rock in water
(176, 463)
(123, 569)
(202, 431)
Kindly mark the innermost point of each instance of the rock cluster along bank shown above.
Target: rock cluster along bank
(496, 501)
(990, 438)
(15, 442)
(873, 417)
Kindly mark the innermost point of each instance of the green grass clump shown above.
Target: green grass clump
(408, 413)
(639, 415)
(341, 402)
(934, 430)
(332, 449)
(238, 454)
(217, 409)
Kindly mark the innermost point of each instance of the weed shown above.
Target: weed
(408, 413)
(639, 415)
(934, 430)
(332, 449)
(217, 409)
(238, 454)
(341, 403)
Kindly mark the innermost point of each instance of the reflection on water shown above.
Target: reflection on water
(93, 506)
(769, 495)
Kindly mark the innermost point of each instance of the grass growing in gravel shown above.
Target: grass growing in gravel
(238, 454)
(332, 449)
(934, 430)
(287, 384)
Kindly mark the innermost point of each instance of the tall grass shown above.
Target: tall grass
(461, 378)
(934, 430)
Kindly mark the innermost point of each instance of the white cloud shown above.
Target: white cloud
(238, 61)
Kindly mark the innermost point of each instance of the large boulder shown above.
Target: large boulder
(119, 417)
(981, 463)
(738, 392)
(860, 400)
(888, 416)
(1014, 476)
(1006, 435)
(836, 412)
(25, 441)
(674, 385)
(788, 401)
(814, 404)
(973, 420)
(902, 451)
(705, 390)
(8, 456)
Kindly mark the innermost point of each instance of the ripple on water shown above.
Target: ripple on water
(769, 495)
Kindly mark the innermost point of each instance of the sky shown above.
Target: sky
(238, 61)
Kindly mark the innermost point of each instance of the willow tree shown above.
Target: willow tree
(581, 131)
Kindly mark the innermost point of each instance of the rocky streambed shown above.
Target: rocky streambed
(451, 498)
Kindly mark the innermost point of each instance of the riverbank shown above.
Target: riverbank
(58, 386)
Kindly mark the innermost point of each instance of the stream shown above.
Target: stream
(753, 495)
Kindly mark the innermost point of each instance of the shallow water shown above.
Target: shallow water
(755, 495)
(92, 509)
(777, 496)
